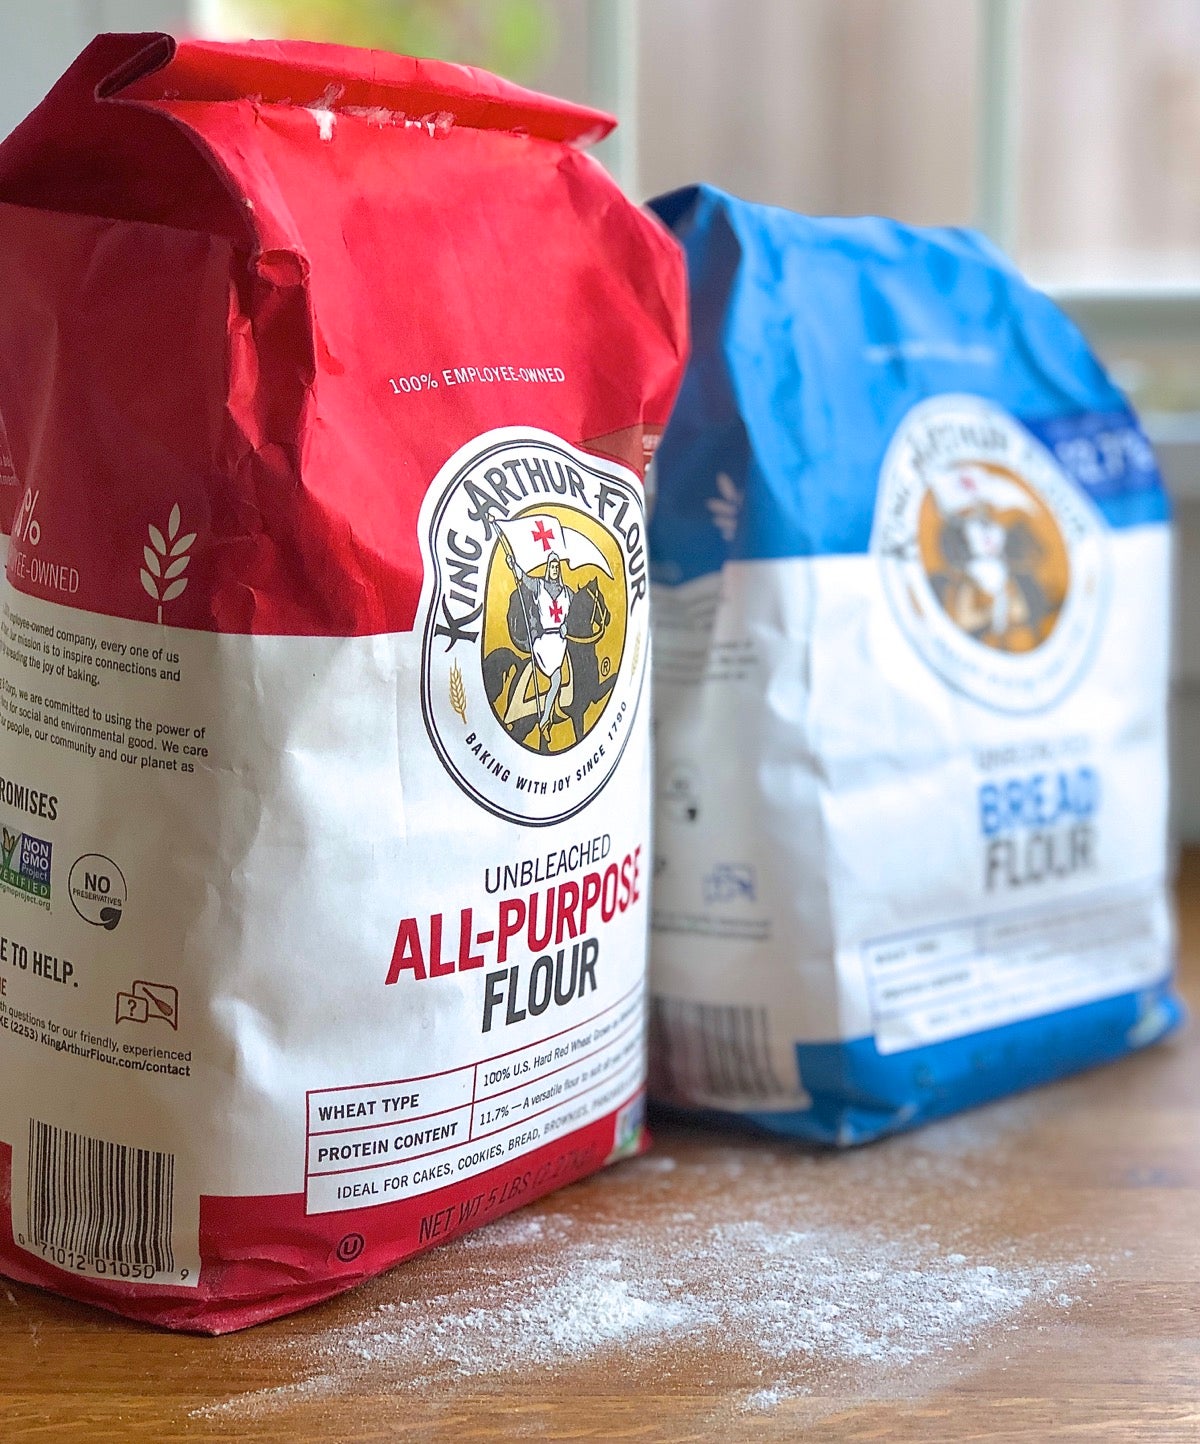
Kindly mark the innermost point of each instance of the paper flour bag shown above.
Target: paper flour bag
(912, 561)
(327, 379)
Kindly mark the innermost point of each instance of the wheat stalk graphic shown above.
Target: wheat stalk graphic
(725, 507)
(458, 693)
(166, 561)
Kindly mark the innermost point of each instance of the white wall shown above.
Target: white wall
(39, 40)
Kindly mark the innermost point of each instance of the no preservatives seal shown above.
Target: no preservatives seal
(536, 617)
(995, 563)
(96, 886)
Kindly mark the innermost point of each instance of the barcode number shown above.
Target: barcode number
(100, 1207)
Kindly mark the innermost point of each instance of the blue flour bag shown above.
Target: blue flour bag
(911, 562)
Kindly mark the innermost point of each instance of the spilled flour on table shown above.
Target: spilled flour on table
(787, 1302)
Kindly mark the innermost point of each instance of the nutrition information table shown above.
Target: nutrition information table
(380, 1141)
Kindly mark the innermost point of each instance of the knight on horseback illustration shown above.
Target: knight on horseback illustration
(988, 576)
(551, 670)
(549, 600)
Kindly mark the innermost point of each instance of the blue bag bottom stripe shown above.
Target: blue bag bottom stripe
(859, 1094)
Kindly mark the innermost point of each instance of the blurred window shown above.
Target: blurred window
(1108, 175)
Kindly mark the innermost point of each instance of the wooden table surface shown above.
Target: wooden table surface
(1030, 1271)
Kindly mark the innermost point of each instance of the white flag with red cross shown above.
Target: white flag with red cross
(534, 539)
(964, 487)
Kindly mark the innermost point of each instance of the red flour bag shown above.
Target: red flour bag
(327, 379)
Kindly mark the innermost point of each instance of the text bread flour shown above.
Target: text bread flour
(327, 380)
(912, 563)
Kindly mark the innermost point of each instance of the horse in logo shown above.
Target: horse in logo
(989, 578)
(551, 673)
(587, 622)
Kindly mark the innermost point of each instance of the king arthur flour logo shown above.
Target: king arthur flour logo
(994, 562)
(536, 621)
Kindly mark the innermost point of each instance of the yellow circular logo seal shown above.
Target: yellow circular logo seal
(536, 613)
(554, 625)
(995, 556)
(993, 559)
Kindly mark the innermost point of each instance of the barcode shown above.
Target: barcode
(713, 1050)
(99, 1200)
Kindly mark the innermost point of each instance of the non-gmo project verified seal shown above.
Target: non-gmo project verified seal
(25, 866)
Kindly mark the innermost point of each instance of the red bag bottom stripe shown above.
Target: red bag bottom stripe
(263, 1257)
